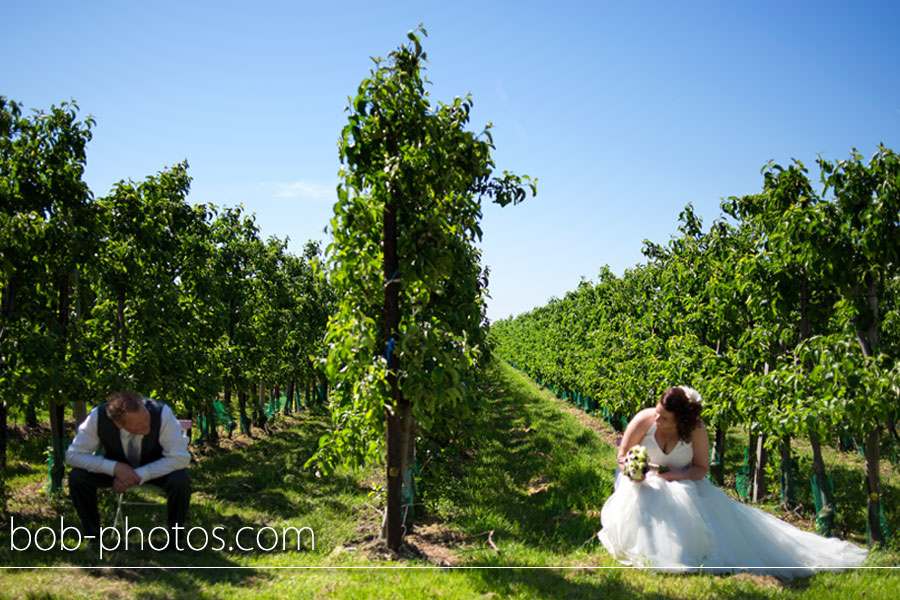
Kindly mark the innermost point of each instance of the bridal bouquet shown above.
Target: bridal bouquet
(635, 465)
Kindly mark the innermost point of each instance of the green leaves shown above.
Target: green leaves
(400, 151)
(777, 315)
(139, 288)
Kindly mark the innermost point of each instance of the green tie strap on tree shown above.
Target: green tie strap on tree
(885, 533)
(205, 425)
(273, 406)
(847, 443)
(245, 423)
(223, 417)
(788, 492)
(57, 447)
(408, 492)
(260, 418)
(825, 509)
(744, 478)
(715, 464)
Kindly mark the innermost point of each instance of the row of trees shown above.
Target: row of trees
(142, 289)
(784, 314)
(138, 289)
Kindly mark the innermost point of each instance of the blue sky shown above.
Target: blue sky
(624, 111)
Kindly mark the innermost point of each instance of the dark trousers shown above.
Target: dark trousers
(83, 490)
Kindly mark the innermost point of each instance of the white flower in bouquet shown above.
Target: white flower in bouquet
(635, 465)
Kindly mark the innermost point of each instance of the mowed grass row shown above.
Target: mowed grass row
(512, 504)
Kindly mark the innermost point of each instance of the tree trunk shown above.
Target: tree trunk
(869, 346)
(7, 305)
(398, 415)
(79, 412)
(242, 407)
(30, 414)
(324, 387)
(758, 447)
(259, 407)
(759, 472)
(289, 401)
(212, 432)
(57, 405)
(825, 518)
(409, 482)
(873, 488)
(310, 384)
(788, 492)
(226, 402)
(718, 468)
(3, 446)
(79, 406)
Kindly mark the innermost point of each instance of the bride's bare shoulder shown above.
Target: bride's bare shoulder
(644, 418)
(646, 415)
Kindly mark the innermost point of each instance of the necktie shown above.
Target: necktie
(133, 452)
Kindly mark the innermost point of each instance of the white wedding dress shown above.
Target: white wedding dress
(690, 526)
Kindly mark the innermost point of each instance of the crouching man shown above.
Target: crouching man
(143, 443)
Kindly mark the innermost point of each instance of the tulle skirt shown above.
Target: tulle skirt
(690, 526)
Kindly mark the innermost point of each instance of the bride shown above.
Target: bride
(677, 520)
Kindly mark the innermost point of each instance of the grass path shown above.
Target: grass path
(522, 489)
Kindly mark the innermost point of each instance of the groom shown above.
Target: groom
(143, 443)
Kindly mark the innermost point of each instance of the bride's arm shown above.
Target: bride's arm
(700, 463)
(635, 431)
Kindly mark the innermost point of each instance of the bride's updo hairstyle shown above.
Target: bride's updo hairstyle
(686, 410)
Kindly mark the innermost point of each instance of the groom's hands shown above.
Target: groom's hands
(125, 478)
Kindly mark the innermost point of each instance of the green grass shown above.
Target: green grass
(525, 470)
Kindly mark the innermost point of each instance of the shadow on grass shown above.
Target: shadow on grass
(592, 584)
(269, 478)
(546, 469)
(261, 485)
